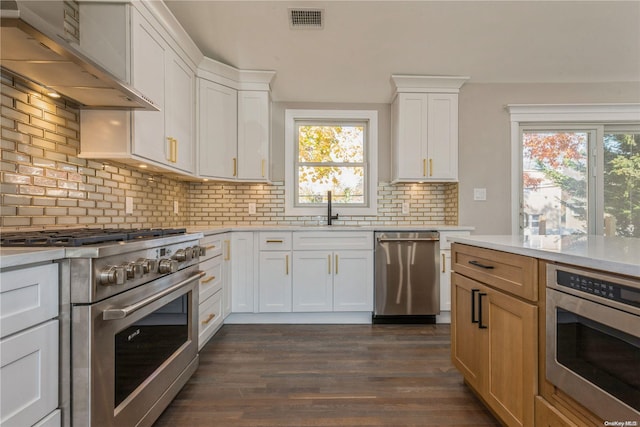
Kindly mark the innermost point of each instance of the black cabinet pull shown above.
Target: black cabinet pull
(480, 325)
(473, 305)
(477, 264)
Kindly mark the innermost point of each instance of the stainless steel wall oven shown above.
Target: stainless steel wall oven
(593, 340)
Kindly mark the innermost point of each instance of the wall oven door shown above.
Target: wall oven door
(133, 352)
(593, 341)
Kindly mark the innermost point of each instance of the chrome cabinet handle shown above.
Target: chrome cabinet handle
(121, 313)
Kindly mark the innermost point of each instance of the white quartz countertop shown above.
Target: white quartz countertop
(208, 230)
(16, 257)
(614, 254)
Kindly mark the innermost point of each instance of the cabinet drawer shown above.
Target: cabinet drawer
(209, 318)
(29, 375)
(212, 245)
(28, 296)
(548, 416)
(275, 241)
(512, 273)
(212, 281)
(332, 240)
(52, 420)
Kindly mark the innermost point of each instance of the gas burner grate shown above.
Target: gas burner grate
(82, 236)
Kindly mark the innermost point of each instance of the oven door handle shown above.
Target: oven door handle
(121, 313)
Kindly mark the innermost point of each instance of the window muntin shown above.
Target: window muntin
(330, 156)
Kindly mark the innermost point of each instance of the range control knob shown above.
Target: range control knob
(188, 253)
(148, 265)
(180, 255)
(167, 265)
(134, 270)
(112, 275)
(199, 251)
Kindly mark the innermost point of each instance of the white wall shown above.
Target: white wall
(485, 146)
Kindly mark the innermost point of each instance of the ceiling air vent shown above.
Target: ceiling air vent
(306, 18)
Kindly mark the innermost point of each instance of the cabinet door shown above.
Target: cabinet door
(313, 281)
(353, 281)
(445, 280)
(149, 76)
(409, 112)
(226, 275)
(442, 136)
(511, 383)
(468, 347)
(242, 272)
(253, 135)
(275, 281)
(179, 112)
(218, 130)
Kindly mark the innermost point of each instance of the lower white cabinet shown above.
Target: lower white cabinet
(210, 318)
(313, 283)
(353, 281)
(242, 272)
(445, 268)
(226, 274)
(274, 285)
(29, 375)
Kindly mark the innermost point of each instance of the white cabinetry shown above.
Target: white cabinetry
(162, 138)
(210, 313)
(424, 126)
(242, 272)
(445, 274)
(274, 278)
(333, 271)
(29, 345)
(233, 132)
(226, 274)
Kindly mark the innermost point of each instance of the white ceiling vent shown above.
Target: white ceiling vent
(306, 18)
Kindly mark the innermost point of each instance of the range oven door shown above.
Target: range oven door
(593, 354)
(134, 351)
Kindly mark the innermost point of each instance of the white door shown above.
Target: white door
(410, 157)
(226, 274)
(180, 111)
(353, 281)
(242, 272)
(149, 76)
(275, 281)
(442, 136)
(218, 130)
(445, 280)
(313, 281)
(253, 135)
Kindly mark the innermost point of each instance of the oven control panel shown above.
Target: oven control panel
(599, 287)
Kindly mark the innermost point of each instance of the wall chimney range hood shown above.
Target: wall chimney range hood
(33, 49)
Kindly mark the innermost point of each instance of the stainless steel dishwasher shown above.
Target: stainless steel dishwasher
(407, 280)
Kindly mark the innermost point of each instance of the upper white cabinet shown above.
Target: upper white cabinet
(234, 115)
(424, 126)
(165, 138)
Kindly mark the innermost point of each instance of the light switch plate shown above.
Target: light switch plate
(175, 207)
(480, 194)
(405, 208)
(252, 208)
(128, 205)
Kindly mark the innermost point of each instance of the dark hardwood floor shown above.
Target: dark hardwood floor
(327, 375)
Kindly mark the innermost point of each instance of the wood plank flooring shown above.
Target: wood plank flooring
(327, 375)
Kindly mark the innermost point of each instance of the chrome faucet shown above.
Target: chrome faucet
(329, 216)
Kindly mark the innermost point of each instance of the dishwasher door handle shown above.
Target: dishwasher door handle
(409, 239)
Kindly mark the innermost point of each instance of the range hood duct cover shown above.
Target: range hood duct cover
(40, 56)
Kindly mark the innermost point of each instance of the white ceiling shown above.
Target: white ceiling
(364, 42)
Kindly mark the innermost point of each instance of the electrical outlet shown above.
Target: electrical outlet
(252, 208)
(480, 194)
(405, 208)
(128, 205)
(175, 207)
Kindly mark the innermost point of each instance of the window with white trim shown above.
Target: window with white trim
(331, 151)
(577, 174)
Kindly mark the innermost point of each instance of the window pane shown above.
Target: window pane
(622, 184)
(338, 144)
(345, 183)
(554, 178)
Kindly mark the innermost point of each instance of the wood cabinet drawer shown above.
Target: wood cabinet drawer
(332, 240)
(28, 296)
(29, 375)
(549, 416)
(512, 273)
(275, 241)
(209, 317)
(212, 245)
(212, 281)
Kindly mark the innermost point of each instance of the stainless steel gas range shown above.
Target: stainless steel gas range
(129, 306)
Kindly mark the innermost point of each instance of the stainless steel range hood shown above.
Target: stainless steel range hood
(32, 48)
